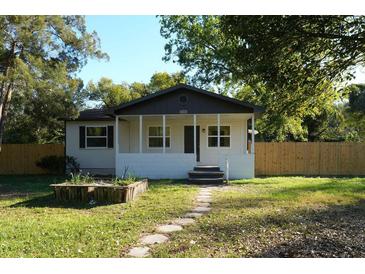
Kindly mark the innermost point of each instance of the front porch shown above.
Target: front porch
(171, 145)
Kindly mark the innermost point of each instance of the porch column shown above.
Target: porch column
(163, 133)
(245, 136)
(116, 142)
(253, 134)
(194, 119)
(140, 133)
(219, 129)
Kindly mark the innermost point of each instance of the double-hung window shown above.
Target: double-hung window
(155, 138)
(96, 137)
(225, 136)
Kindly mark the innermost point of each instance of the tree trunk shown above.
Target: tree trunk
(6, 91)
(4, 107)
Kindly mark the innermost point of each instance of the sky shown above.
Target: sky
(135, 48)
(134, 45)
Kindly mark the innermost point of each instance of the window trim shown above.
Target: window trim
(106, 137)
(148, 137)
(230, 136)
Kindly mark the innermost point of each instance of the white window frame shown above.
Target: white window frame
(230, 136)
(166, 136)
(106, 137)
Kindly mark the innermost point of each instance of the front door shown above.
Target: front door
(189, 140)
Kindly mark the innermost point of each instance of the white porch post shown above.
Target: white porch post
(245, 135)
(140, 133)
(116, 142)
(253, 134)
(163, 133)
(219, 129)
(194, 118)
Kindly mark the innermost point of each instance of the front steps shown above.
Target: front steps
(206, 175)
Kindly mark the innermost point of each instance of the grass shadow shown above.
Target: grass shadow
(49, 201)
(328, 231)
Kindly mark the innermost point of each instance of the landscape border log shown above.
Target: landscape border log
(99, 193)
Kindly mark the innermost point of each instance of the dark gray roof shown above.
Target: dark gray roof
(93, 115)
(186, 87)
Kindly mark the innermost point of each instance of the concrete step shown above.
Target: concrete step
(206, 174)
(206, 180)
(206, 168)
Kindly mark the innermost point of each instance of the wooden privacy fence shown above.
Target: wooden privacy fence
(317, 159)
(312, 159)
(22, 158)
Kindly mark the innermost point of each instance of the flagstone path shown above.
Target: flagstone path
(147, 241)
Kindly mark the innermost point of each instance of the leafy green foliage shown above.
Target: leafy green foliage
(109, 94)
(54, 164)
(57, 164)
(291, 65)
(357, 98)
(78, 178)
(39, 57)
(124, 181)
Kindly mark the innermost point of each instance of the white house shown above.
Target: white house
(175, 133)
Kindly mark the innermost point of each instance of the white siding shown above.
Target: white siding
(208, 156)
(239, 165)
(96, 160)
(155, 165)
(175, 165)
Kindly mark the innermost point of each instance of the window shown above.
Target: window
(225, 136)
(155, 137)
(96, 137)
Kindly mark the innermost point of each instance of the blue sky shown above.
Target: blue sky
(134, 45)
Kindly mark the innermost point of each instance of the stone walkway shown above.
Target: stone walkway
(146, 242)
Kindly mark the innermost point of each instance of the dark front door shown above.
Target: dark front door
(189, 140)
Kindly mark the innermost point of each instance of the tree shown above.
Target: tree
(41, 54)
(292, 64)
(357, 98)
(34, 115)
(109, 94)
(163, 80)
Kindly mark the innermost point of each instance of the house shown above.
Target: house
(166, 135)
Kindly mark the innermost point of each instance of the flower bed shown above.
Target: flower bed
(99, 191)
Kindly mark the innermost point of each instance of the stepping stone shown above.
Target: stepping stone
(203, 204)
(201, 209)
(154, 239)
(204, 196)
(139, 252)
(193, 215)
(204, 200)
(205, 191)
(184, 221)
(169, 228)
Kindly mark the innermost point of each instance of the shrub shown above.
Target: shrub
(56, 164)
(72, 165)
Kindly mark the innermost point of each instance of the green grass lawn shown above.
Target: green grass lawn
(278, 217)
(271, 217)
(33, 224)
